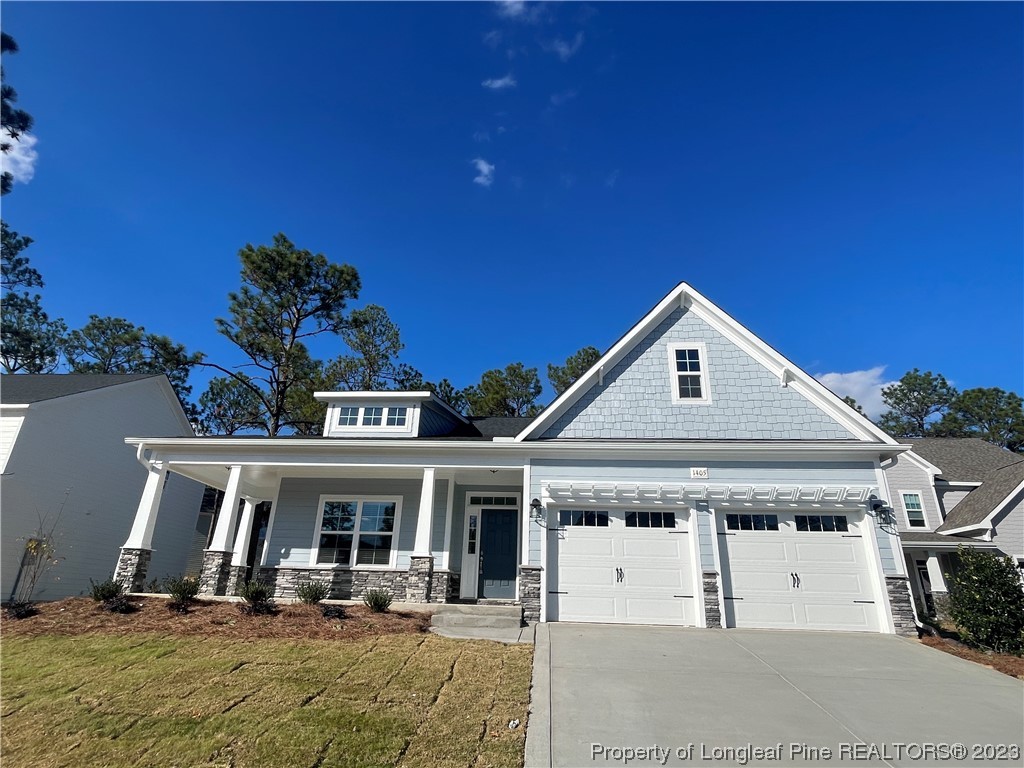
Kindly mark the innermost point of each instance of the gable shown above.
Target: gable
(634, 398)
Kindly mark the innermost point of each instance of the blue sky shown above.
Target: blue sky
(516, 181)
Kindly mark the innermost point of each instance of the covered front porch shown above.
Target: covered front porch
(442, 531)
(930, 558)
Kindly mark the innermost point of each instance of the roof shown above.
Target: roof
(963, 458)
(922, 537)
(26, 388)
(500, 426)
(978, 506)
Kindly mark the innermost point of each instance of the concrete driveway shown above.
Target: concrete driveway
(712, 697)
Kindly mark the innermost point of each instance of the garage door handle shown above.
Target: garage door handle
(796, 580)
(619, 575)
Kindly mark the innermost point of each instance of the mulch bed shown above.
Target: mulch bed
(1001, 662)
(213, 618)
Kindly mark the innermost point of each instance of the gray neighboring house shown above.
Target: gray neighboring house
(951, 492)
(63, 436)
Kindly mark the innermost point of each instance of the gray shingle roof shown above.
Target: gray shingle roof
(964, 458)
(979, 503)
(500, 426)
(923, 537)
(25, 388)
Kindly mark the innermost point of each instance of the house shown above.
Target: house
(952, 492)
(65, 465)
(693, 476)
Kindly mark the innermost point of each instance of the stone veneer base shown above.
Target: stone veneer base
(901, 603)
(215, 578)
(420, 579)
(529, 592)
(132, 568)
(712, 605)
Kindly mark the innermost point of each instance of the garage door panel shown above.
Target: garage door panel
(658, 610)
(837, 616)
(664, 579)
(770, 614)
(586, 608)
(758, 580)
(837, 585)
(585, 576)
(586, 544)
(765, 551)
(834, 552)
(665, 546)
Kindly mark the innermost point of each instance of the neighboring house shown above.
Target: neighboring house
(952, 492)
(64, 460)
(693, 476)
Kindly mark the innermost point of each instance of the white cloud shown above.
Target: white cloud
(863, 386)
(565, 50)
(558, 99)
(519, 10)
(612, 179)
(20, 162)
(492, 38)
(481, 137)
(484, 171)
(500, 83)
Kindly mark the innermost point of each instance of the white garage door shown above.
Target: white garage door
(621, 567)
(797, 571)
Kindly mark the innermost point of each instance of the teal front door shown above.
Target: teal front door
(498, 554)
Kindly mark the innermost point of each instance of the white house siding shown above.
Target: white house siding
(747, 400)
(1009, 528)
(904, 475)
(9, 427)
(720, 472)
(75, 444)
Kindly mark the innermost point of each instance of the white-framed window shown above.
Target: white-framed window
(397, 416)
(348, 416)
(372, 416)
(688, 370)
(356, 531)
(914, 508)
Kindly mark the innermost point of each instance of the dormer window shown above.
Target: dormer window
(397, 416)
(688, 372)
(348, 416)
(372, 416)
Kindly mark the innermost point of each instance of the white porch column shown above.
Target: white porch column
(935, 575)
(244, 533)
(221, 541)
(141, 536)
(425, 519)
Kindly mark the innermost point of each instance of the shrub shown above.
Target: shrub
(105, 590)
(377, 600)
(20, 609)
(986, 601)
(183, 591)
(258, 598)
(153, 585)
(333, 611)
(119, 604)
(312, 592)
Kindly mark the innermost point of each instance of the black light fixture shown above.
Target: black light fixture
(536, 509)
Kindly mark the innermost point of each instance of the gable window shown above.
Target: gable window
(688, 368)
(356, 532)
(372, 417)
(396, 416)
(348, 416)
(915, 510)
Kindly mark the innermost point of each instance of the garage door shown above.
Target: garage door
(797, 571)
(621, 567)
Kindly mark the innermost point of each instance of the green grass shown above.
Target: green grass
(396, 700)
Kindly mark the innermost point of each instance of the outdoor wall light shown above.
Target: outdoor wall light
(536, 510)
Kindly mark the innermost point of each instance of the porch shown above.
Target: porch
(930, 558)
(425, 534)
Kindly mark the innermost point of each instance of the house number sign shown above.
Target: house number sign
(699, 473)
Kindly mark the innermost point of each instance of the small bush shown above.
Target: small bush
(312, 592)
(105, 590)
(153, 585)
(183, 591)
(333, 611)
(377, 600)
(119, 604)
(20, 609)
(258, 598)
(986, 601)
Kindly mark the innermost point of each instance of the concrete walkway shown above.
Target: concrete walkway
(711, 697)
(522, 635)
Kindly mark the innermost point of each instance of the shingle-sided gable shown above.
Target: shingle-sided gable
(634, 399)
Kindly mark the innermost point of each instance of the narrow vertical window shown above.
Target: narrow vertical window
(688, 367)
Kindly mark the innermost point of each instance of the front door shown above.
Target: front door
(498, 554)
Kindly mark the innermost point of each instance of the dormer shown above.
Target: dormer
(388, 414)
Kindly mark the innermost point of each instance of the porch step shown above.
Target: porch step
(469, 615)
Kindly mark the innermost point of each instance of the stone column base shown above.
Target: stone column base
(902, 605)
(712, 605)
(421, 572)
(444, 587)
(216, 574)
(529, 592)
(132, 568)
(236, 579)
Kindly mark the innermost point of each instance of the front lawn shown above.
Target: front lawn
(145, 699)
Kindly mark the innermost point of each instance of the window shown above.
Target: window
(396, 417)
(651, 520)
(752, 522)
(356, 532)
(822, 523)
(585, 517)
(915, 511)
(348, 416)
(688, 365)
(493, 501)
(372, 417)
